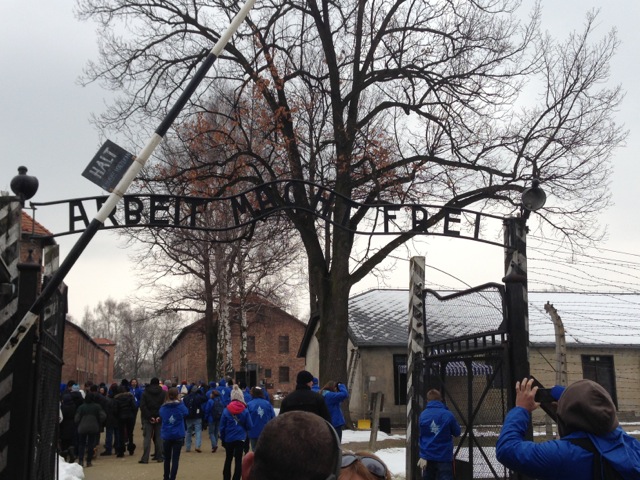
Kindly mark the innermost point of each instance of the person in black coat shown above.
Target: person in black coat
(304, 399)
(70, 400)
(153, 397)
(126, 411)
(112, 435)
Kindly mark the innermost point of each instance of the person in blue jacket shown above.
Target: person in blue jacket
(586, 413)
(316, 385)
(234, 425)
(212, 413)
(261, 412)
(334, 393)
(172, 415)
(136, 390)
(438, 426)
(224, 388)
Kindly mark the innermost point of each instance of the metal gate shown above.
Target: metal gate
(466, 352)
(48, 373)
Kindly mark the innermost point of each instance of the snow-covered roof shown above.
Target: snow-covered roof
(380, 318)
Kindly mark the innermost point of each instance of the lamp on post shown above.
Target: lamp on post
(533, 198)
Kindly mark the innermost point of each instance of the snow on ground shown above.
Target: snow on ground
(69, 471)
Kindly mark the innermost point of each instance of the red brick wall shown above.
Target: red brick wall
(82, 357)
(186, 359)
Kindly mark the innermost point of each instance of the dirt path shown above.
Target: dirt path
(192, 465)
(205, 465)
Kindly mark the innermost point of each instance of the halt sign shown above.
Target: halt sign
(108, 166)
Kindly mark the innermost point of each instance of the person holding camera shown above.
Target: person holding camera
(334, 393)
(591, 446)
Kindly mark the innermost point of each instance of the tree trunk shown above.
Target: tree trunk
(211, 324)
(333, 302)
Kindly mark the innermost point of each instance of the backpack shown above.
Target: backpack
(193, 405)
(217, 409)
(602, 468)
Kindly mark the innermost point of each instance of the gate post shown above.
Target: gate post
(415, 365)
(515, 279)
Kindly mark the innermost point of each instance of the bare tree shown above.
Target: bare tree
(421, 101)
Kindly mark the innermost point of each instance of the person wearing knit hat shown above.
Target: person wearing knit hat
(592, 445)
(304, 399)
(236, 394)
(235, 424)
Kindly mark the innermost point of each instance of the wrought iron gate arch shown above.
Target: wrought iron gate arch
(466, 358)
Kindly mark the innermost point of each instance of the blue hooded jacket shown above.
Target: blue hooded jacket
(584, 410)
(561, 459)
(438, 426)
(173, 415)
(261, 412)
(333, 401)
(235, 422)
(225, 392)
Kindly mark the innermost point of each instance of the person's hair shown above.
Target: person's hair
(172, 394)
(256, 392)
(434, 394)
(295, 445)
(93, 388)
(357, 471)
(123, 389)
(214, 393)
(330, 386)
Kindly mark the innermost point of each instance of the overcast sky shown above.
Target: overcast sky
(45, 126)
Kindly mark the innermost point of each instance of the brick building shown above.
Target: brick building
(273, 337)
(84, 358)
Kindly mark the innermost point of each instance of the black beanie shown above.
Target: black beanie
(304, 377)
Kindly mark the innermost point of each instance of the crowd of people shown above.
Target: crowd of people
(173, 417)
(304, 439)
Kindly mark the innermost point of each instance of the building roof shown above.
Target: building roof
(31, 227)
(380, 318)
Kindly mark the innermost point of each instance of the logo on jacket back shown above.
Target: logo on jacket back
(435, 429)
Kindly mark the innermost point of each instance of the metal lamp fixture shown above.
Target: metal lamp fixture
(533, 198)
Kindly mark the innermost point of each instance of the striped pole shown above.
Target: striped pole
(415, 363)
(10, 232)
(121, 188)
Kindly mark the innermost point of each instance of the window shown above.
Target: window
(283, 344)
(251, 344)
(400, 379)
(600, 369)
(267, 373)
(283, 375)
